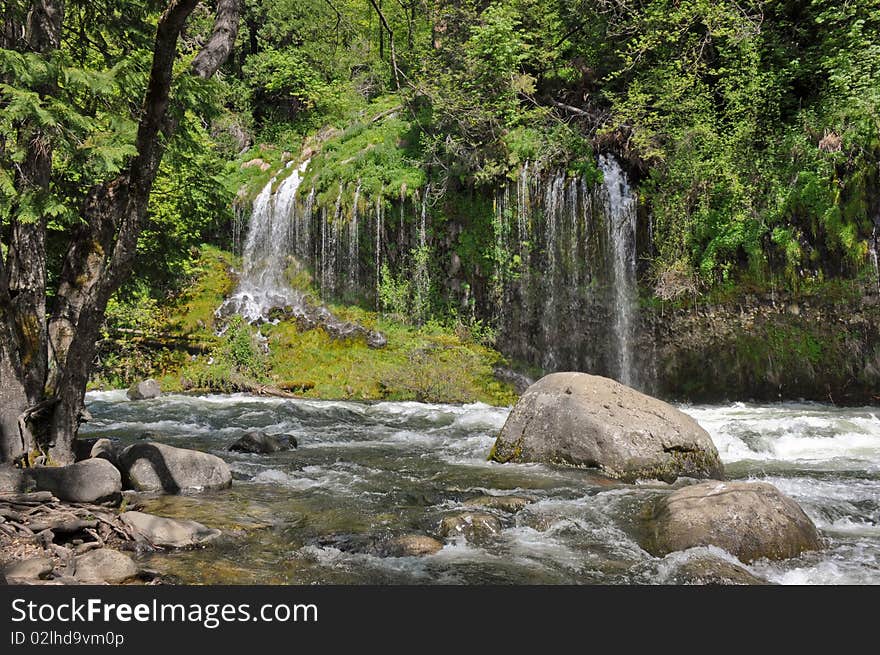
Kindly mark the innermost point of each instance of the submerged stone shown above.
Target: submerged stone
(470, 525)
(257, 442)
(169, 533)
(412, 545)
(510, 504)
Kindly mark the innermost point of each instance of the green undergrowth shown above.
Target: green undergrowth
(191, 313)
(429, 363)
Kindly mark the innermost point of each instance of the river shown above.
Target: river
(367, 471)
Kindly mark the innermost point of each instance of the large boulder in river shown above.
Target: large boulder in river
(168, 533)
(144, 390)
(88, 481)
(261, 443)
(158, 467)
(586, 420)
(751, 520)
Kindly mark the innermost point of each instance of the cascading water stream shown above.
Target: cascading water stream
(620, 205)
(262, 284)
(872, 253)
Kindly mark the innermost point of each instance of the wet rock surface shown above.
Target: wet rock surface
(470, 525)
(262, 444)
(751, 520)
(168, 533)
(585, 420)
(159, 467)
(510, 504)
(144, 390)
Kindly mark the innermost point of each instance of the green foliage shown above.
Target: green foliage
(394, 292)
(377, 151)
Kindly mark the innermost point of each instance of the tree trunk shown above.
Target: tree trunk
(42, 389)
(23, 277)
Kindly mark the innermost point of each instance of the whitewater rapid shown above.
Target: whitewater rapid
(367, 470)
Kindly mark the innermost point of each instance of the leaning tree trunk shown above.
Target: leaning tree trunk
(98, 260)
(97, 265)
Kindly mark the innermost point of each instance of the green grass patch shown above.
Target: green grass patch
(191, 313)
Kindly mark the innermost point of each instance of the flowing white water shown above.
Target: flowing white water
(872, 253)
(262, 284)
(364, 472)
(353, 263)
(621, 224)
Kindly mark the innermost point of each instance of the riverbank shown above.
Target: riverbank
(820, 344)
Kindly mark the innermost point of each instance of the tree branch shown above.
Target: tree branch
(223, 36)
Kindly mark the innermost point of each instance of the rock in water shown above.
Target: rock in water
(412, 545)
(169, 533)
(709, 570)
(586, 420)
(261, 443)
(158, 467)
(105, 565)
(88, 481)
(470, 525)
(750, 520)
(510, 504)
(144, 390)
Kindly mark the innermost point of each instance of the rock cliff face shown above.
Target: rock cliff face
(767, 347)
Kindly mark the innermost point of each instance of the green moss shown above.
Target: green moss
(191, 314)
(429, 363)
(378, 151)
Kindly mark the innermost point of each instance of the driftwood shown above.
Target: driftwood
(33, 498)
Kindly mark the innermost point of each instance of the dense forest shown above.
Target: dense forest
(752, 127)
(397, 291)
(750, 131)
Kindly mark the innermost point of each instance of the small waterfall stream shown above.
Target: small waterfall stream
(872, 253)
(621, 224)
(262, 285)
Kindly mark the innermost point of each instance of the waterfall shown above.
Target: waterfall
(263, 284)
(620, 206)
(353, 264)
(302, 230)
(571, 302)
(872, 253)
(378, 245)
(421, 275)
